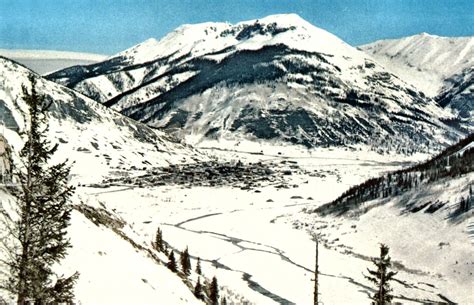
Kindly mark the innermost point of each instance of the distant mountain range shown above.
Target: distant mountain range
(426, 61)
(442, 67)
(45, 61)
(278, 79)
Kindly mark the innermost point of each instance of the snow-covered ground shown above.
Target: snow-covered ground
(256, 241)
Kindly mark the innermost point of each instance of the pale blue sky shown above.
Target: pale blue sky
(109, 26)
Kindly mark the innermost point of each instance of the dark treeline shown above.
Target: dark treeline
(449, 163)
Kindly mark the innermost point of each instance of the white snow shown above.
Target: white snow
(424, 60)
(258, 244)
(267, 240)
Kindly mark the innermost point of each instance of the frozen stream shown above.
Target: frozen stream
(248, 241)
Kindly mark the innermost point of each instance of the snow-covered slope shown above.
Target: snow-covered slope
(423, 213)
(458, 94)
(114, 269)
(46, 61)
(97, 138)
(419, 188)
(277, 79)
(424, 60)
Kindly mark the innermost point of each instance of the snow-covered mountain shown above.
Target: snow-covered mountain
(418, 189)
(97, 138)
(277, 79)
(47, 61)
(441, 67)
(458, 94)
(423, 213)
(424, 60)
(114, 266)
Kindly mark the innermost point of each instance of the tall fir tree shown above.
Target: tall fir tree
(214, 292)
(223, 301)
(43, 215)
(381, 277)
(185, 261)
(159, 240)
(198, 266)
(172, 262)
(198, 290)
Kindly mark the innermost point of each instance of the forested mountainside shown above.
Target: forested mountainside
(453, 162)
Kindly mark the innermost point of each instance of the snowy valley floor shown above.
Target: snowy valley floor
(257, 241)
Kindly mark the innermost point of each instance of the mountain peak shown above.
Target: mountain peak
(424, 34)
(211, 37)
(292, 18)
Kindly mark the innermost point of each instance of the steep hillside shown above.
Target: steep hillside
(114, 266)
(424, 60)
(439, 66)
(418, 188)
(101, 143)
(458, 94)
(278, 79)
(98, 139)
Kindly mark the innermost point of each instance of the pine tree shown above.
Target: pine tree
(198, 266)
(198, 290)
(44, 215)
(223, 301)
(381, 277)
(185, 262)
(159, 240)
(214, 292)
(172, 262)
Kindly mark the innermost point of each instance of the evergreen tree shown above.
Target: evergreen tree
(159, 240)
(44, 215)
(198, 266)
(223, 301)
(172, 262)
(198, 290)
(214, 292)
(381, 277)
(185, 262)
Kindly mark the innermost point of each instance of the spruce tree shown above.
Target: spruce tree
(198, 266)
(223, 301)
(43, 215)
(159, 240)
(198, 290)
(185, 262)
(381, 277)
(172, 262)
(214, 292)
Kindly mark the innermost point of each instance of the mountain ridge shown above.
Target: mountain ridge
(425, 60)
(78, 123)
(243, 68)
